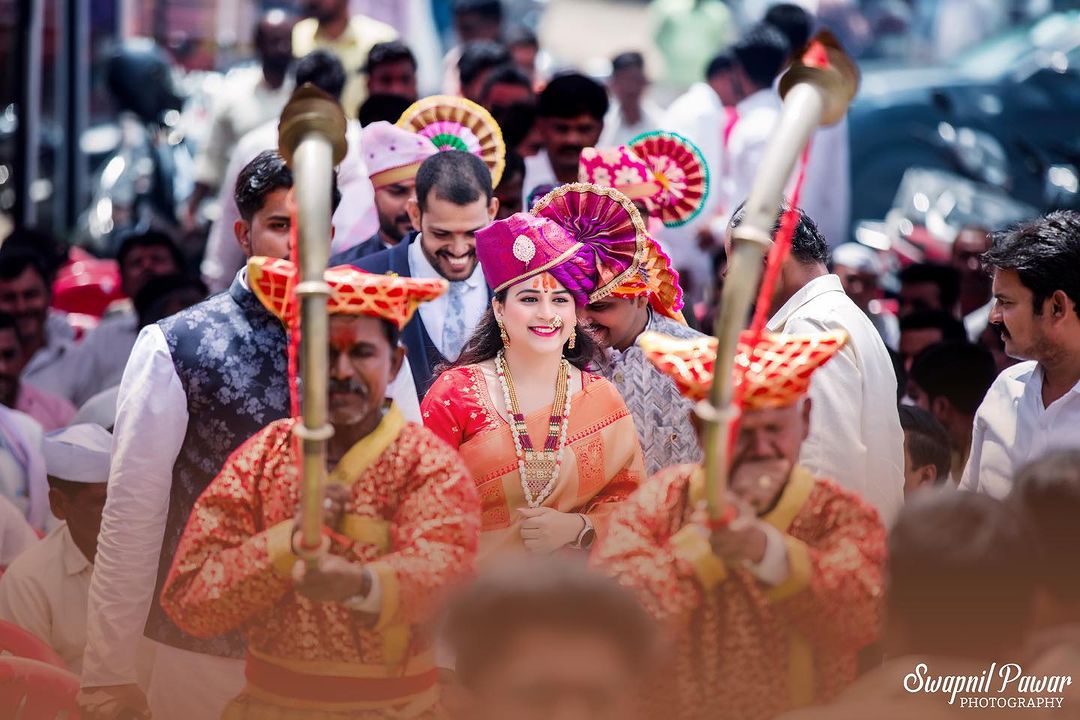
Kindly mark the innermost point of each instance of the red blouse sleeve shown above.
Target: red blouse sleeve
(449, 406)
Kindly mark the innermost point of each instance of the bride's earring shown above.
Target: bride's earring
(573, 339)
(502, 333)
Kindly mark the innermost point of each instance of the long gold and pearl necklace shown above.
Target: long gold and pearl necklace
(538, 469)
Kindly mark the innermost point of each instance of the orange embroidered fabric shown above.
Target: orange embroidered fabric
(735, 645)
(775, 374)
(227, 573)
(602, 464)
(352, 291)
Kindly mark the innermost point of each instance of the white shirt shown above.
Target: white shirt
(618, 131)
(538, 171)
(855, 434)
(759, 114)
(355, 216)
(50, 369)
(699, 116)
(98, 361)
(434, 313)
(133, 524)
(243, 102)
(22, 467)
(16, 534)
(1013, 427)
(44, 592)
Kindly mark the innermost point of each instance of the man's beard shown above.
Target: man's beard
(391, 227)
(445, 256)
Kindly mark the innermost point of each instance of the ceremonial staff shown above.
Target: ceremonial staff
(816, 89)
(311, 139)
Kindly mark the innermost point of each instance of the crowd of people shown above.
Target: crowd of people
(516, 518)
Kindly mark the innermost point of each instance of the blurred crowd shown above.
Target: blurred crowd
(946, 421)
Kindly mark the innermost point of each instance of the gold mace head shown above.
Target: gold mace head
(308, 111)
(824, 63)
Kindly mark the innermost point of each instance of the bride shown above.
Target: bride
(550, 446)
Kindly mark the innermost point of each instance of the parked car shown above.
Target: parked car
(1003, 113)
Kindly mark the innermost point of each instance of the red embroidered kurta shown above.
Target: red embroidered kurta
(743, 649)
(413, 519)
(602, 462)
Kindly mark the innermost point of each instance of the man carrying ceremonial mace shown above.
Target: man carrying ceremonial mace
(332, 578)
(770, 578)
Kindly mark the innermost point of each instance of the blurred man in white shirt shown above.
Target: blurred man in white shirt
(631, 113)
(1033, 407)
(45, 590)
(248, 97)
(855, 434)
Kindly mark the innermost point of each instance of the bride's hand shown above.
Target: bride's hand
(545, 530)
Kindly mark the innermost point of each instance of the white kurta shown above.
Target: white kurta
(243, 102)
(1014, 427)
(855, 434)
(44, 591)
(98, 362)
(132, 528)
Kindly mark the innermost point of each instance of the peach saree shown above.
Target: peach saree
(602, 463)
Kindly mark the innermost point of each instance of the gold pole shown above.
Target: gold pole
(816, 90)
(312, 141)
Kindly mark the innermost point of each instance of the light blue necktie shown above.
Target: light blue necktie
(453, 335)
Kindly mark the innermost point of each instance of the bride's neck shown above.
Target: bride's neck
(526, 366)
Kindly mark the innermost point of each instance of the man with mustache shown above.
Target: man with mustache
(51, 411)
(771, 603)
(1034, 406)
(454, 199)
(197, 385)
(570, 114)
(350, 635)
(392, 156)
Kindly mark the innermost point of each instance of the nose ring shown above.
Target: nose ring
(557, 323)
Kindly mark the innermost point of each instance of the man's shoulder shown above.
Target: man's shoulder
(418, 445)
(673, 328)
(30, 427)
(394, 258)
(371, 30)
(1010, 382)
(200, 311)
(39, 559)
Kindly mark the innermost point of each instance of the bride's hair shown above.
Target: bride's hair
(486, 342)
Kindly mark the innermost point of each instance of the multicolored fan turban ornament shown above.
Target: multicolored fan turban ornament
(657, 279)
(774, 373)
(352, 291)
(455, 123)
(591, 239)
(620, 168)
(681, 172)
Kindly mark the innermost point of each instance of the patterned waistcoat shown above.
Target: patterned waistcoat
(230, 355)
(661, 414)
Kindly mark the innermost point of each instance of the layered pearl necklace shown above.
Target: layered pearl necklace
(539, 470)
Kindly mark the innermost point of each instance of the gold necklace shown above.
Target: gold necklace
(538, 469)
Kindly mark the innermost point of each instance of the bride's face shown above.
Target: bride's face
(539, 314)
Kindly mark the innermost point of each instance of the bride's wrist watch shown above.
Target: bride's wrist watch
(587, 535)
